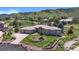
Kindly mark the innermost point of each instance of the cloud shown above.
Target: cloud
(8, 11)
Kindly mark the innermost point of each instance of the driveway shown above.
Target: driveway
(19, 37)
(1, 33)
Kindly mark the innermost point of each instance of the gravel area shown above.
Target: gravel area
(69, 44)
(76, 49)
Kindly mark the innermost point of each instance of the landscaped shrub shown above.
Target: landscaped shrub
(70, 30)
(68, 37)
(61, 44)
(7, 36)
(60, 25)
(16, 29)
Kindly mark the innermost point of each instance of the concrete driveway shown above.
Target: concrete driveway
(19, 37)
(1, 33)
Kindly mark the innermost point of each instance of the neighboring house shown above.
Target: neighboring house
(27, 30)
(2, 26)
(45, 21)
(67, 21)
(44, 29)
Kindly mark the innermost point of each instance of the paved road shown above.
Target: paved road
(19, 37)
(11, 47)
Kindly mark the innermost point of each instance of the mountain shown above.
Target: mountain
(32, 18)
(60, 13)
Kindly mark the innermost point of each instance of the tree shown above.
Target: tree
(50, 20)
(31, 19)
(60, 25)
(70, 30)
(7, 35)
(15, 25)
(16, 29)
(56, 20)
(39, 20)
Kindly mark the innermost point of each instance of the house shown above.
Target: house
(44, 29)
(2, 26)
(67, 21)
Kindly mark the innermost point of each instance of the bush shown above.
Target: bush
(13, 37)
(61, 43)
(16, 29)
(70, 30)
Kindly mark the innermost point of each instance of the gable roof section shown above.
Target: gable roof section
(42, 26)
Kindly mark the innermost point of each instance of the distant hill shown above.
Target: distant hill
(32, 18)
(68, 12)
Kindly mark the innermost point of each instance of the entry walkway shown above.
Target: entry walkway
(19, 37)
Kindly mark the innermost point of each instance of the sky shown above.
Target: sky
(9, 10)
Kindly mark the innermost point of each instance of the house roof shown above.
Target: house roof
(43, 26)
(69, 19)
(2, 22)
(45, 19)
(28, 28)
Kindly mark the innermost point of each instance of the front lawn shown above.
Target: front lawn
(28, 40)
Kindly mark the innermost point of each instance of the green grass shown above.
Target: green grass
(25, 23)
(68, 37)
(76, 29)
(63, 40)
(7, 37)
(28, 40)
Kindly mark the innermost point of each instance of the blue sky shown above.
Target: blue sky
(9, 10)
